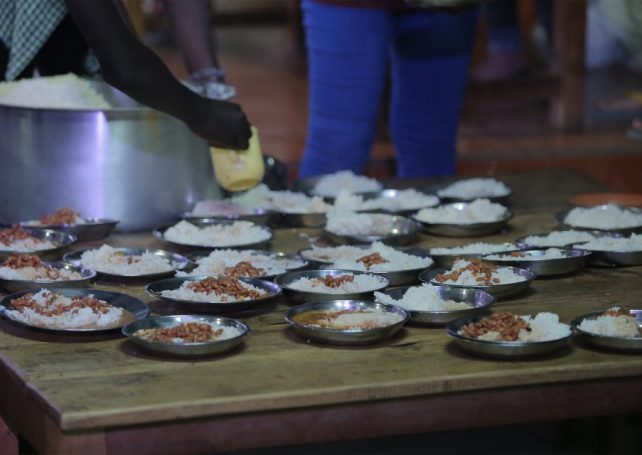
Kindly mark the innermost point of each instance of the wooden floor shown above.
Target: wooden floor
(503, 127)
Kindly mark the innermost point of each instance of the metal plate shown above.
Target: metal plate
(93, 229)
(480, 300)
(394, 194)
(307, 185)
(500, 291)
(29, 285)
(521, 241)
(575, 259)
(124, 301)
(277, 256)
(446, 260)
(465, 230)
(262, 217)
(346, 337)
(62, 239)
(500, 198)
(297, 296)
(501, 349)
(177, 261)
(191, 349)
(606, 342)
(403, 231)
(156, 288)
(159, 233)
(614, 258)
(561, 216)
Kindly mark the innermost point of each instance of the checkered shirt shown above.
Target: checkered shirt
(25, 26)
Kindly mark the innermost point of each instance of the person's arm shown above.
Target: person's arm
(133, 68)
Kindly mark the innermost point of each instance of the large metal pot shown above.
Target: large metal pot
(130, 163)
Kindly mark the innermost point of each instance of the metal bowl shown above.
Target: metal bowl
(313, 220)
(262, 217)
(446, 260)
(521, 241)
(403, 231)
(62, 239)
(177, 261)
(392, 195)
(189, 349)
(307, 185)
(575, 259)
(131, 304)
(277, 256)
(30, 285)
(607, 342)
(480, 300)
(298, 296)
(500, 291)
(346, 337)
(92, 229)
(501, 349)
(465, 230)
(159, 233)
(156, 288)
(561, 216)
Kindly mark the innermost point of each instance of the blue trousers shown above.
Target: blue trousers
(349, 50)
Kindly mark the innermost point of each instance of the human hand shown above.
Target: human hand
(223, 124)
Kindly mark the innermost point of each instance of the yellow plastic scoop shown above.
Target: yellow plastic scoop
(239, 170)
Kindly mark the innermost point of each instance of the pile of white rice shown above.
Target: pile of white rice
(617, 244)
(74, 319)
(28, 245)
(539, 255)
(478, 211)
(37, 274)
(558, 238)
(361, 283)
(280, 201)
(397, 260)
(211, 207)
(331, 254)
(331, 184)
(410, 199)
(474, 188)
(422, 298)
(622, 326)
(356, 320)
(544, 327)
(54, 92)
(344, 222)
(185, 293)
(218, 260)
(217, 235)
(116, 261)
(604, 217)
(466, 278)
(473, 248)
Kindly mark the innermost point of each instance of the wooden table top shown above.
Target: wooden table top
(85, 384)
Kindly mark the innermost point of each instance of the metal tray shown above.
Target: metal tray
(93, 229)
(606, 342)
(501, 349)
(196, 256)
(560, 216)
(480, 300)
(404, 230)
(575, 259)
(178, 262)
(156, 288)
(29, 285)
(346, 337)
(159, 233)
(446, 260)
(465, 230)
(500, 291)
(62, 239)
(296, 296)
(190, 349)
(124, 301)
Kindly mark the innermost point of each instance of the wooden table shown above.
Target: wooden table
(77, 395)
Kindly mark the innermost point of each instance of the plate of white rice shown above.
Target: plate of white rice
(227, 210)
(508, 335)
(215, 294)
(464, 219)
(315, 285)
(608, 217)
(344, 226)
(244, 263)
(330, 185)
(560, 239)
(389, 200)
(29, 272)
(475, 188)
(122, 264)
(215, 234)
(46, 243)
(445, 256)
(543, 262)
(346, 322)
(616, 328)
(500, 281)
(436, 305)
(72, 310)
(614, 251)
